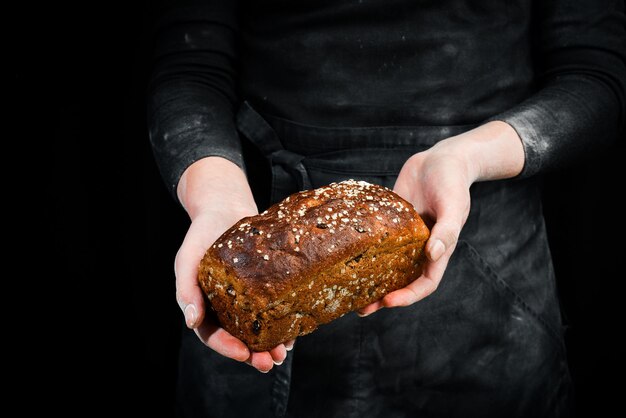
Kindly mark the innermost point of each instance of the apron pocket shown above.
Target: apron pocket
(473, 345)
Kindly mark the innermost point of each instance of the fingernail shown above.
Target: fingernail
(363, 315)
(278, 363)
(190, 315)
(264, 371)
(289, 347)
(436, 250)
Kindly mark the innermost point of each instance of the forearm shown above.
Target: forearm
(185, 128)
(215, 184)
(192, 98)
(580, 106)
(570, 119)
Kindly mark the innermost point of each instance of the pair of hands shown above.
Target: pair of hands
(216, 194)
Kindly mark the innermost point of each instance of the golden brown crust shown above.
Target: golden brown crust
(310, 259)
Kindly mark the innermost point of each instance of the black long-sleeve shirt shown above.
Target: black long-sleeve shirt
(555, 70)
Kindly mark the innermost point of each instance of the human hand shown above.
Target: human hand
(216, 194)
(437, 183)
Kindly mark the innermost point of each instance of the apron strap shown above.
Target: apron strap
(286, 166)
(292, 162)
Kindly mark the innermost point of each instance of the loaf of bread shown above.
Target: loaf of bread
(310, 259)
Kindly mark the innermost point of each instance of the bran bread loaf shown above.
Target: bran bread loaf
(310, 259)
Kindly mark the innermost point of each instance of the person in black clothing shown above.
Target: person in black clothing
(460, 106)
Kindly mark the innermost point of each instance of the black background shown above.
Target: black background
(115, 229)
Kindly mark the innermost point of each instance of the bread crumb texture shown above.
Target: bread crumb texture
(310, 259)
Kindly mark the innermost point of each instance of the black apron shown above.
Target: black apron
(487, 343)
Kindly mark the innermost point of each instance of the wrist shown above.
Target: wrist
(489, 152)
(458, 151)
(215, 184)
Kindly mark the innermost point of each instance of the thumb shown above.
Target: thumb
(188, 292)
(443, 237)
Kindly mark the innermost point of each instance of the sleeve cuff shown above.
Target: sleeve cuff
(175, 171)
(531, 142)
